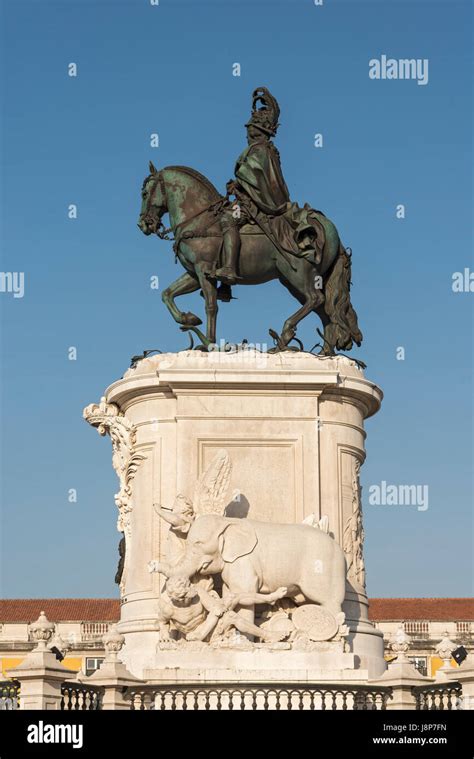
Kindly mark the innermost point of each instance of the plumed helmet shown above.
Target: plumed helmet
(264, 118)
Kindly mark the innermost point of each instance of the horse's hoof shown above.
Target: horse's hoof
(191, 320)
(281, 341)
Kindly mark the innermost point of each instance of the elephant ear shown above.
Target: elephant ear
(238, 540)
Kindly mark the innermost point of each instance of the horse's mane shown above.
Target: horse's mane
(196, 175)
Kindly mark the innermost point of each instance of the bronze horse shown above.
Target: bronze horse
(193, 203)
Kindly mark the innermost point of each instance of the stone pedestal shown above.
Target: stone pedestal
(402, 676)
(40, 674)
(112, 675)
(293, 425)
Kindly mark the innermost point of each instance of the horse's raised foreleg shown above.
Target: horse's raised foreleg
(186, 283)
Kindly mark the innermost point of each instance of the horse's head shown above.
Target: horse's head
(153, 202)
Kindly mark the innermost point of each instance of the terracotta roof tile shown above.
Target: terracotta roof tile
(108, 609)
(442, 609)
(60, 609)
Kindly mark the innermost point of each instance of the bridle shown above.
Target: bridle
(164, 232)
(147, 217)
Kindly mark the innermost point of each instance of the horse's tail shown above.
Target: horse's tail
(343, 328)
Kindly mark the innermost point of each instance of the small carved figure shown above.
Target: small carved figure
(195, 613)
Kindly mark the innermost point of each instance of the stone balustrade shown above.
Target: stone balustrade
(258, 696)
(42, 683)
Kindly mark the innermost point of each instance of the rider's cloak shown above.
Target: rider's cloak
(258, 171)
(298, 230)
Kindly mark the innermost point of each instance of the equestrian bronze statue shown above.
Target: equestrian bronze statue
(251, 235)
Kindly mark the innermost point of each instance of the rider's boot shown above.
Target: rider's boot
(231, 250)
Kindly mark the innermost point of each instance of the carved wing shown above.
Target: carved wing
(211, 489)
(321, 524)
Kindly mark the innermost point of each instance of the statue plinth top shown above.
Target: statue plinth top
(288, 371)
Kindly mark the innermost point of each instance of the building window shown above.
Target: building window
(417, 628)
(93, 664)
(463, 628)
(421, 664)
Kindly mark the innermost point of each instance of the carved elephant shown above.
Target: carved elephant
(256, 556)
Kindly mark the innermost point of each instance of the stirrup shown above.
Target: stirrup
(224, 293)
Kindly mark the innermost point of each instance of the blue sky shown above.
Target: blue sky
(85, 140)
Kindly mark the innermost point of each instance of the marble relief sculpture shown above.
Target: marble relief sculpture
(237, 581)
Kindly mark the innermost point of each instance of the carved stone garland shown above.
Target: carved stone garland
(107, 418)
(354, 533)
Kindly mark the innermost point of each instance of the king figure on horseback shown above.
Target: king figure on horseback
(259, 187)
(258, 237)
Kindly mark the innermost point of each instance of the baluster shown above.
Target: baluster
(278, 694)
(254, 699)
(265, 699)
